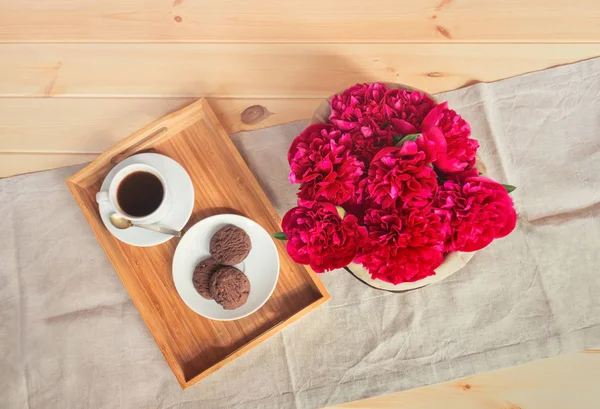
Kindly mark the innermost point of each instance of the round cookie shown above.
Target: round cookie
(230, 245)
(229, 287)
(202, 274)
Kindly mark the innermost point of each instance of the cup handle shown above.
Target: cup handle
(102, 196)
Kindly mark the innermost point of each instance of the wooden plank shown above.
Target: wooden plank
(262, 70)
(18, 163)
(299, 21)
(247, 114)
(91, 125)
(569, 381)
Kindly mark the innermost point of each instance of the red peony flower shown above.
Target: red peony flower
(400, 177)
(461, 150)
(460, 177)
(311, 139)
(478, 209)
(383, 111)
(362, 201)
(366, 142)
(320, 159)
(403, 246)
(357, 103)
(318, 236)
(406, 110)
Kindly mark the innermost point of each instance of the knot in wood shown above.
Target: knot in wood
(254, 114)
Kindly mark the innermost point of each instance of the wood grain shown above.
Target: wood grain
(263, 70)
(92, 125)
(569, 381)
(18, 163)
(299, 21)
(195, 346)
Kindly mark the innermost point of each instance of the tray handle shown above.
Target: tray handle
(152, 139)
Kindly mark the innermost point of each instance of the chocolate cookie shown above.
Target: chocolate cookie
(202, 274)
(229, 287)
(230, 245)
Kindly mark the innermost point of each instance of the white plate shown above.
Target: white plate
(182, 200)
(261, 266)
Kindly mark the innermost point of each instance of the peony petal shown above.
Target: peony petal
(402, 127)
(449, 165)
(509, 225)
(409, 148)
(344, 125)
(432, 118)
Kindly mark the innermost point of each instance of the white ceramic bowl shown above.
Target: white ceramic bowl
(261, 266)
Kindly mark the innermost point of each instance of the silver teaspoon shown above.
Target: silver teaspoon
(122, 223)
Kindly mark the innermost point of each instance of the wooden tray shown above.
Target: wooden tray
(195, 346)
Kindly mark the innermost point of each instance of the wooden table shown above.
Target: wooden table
(77, 76)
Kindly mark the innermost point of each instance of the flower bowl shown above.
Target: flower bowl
(452, 262)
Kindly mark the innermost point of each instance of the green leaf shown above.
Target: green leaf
(280, 236)
(410, 137)
(341, 211)
(509, 188)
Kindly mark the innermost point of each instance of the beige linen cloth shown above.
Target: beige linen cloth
(71, 338)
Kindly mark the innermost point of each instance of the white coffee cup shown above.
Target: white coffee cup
(110, 196)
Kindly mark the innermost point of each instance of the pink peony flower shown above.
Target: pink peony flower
(461, 150)
(318, 236)
(406, 110)
(320, 160)
(478, 209)
(400, 177)
(403, 246)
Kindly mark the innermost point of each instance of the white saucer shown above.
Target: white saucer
(261, 266)
(182, 191)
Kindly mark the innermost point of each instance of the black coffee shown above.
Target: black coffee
(140, 193)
